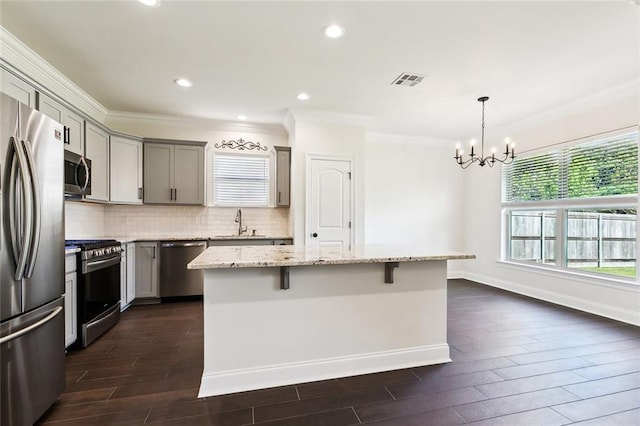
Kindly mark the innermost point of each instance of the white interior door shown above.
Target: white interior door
(329, 203)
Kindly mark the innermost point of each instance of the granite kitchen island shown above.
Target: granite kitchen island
(278, 315)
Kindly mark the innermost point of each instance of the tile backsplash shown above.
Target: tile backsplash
(85, 220)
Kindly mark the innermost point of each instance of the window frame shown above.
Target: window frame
(270, 178)
(561, 207)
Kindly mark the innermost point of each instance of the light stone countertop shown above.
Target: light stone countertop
(71, 250)
(131, 239)
(272, 256)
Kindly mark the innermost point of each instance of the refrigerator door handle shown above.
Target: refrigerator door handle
(21, 250)
(32, 327)
(35, 207)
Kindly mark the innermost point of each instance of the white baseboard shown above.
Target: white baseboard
(225, 382)
(601, 309)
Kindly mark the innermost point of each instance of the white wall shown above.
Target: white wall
(316, 135)
(412, 193)
(482, 212)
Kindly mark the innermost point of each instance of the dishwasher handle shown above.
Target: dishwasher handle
(197, 244)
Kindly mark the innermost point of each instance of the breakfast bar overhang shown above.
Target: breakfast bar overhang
(279, 315)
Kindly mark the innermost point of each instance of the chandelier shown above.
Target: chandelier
(490, 160)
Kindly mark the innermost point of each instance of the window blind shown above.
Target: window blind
(240, 180)
(594, 169)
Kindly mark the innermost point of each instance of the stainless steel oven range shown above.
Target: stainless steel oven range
(98, 266)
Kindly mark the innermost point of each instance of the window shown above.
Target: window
(533, 236)
(240, 180)
(575, 208)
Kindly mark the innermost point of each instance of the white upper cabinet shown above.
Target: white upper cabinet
(73, 123)
(97, 150)
(173, 173)
(126, 170)
(17, 88)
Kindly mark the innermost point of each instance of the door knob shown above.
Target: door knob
(314, 235)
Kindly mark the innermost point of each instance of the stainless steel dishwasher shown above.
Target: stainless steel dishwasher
(175, 278)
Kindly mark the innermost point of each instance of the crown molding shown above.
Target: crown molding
(406, 139)
(359, 120)
(115, 117)
(27, 64)
(623, 91)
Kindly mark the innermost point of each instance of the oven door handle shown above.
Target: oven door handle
(92, 266)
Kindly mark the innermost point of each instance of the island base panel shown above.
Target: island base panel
(333, 321)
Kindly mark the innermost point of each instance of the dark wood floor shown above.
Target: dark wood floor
(516, 361)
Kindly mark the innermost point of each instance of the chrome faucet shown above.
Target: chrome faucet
(239, 222)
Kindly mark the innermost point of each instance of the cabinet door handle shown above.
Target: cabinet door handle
(67, 136)
(140, 193)
(279, 196)
(175, 194)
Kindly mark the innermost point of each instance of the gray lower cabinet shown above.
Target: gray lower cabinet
(127, 275)
(130, 248)
(70, 300)
(173, 172)
(146, 261)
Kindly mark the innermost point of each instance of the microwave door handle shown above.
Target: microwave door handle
(27, 212)
(86, 173)
(35, 207)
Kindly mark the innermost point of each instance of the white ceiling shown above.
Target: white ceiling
(253, 58)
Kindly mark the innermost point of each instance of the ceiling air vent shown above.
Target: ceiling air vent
(407, 79)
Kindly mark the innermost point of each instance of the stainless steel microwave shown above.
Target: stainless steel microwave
(77, 174)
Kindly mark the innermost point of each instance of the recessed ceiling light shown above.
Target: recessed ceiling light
(303, 96)
(183, 82)
(150, 3)
(333, 31)
(242, 117)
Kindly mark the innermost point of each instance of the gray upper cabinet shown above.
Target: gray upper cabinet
(97, 150)
(283, 176)
(126, 170)
(158, 173)
(173, 172)
(17, 88)
(73, 123)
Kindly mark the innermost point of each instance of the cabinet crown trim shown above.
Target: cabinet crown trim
(174, 141)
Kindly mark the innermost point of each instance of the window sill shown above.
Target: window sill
(604, 281)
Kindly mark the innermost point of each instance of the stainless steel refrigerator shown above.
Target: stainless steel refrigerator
(31, 263)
